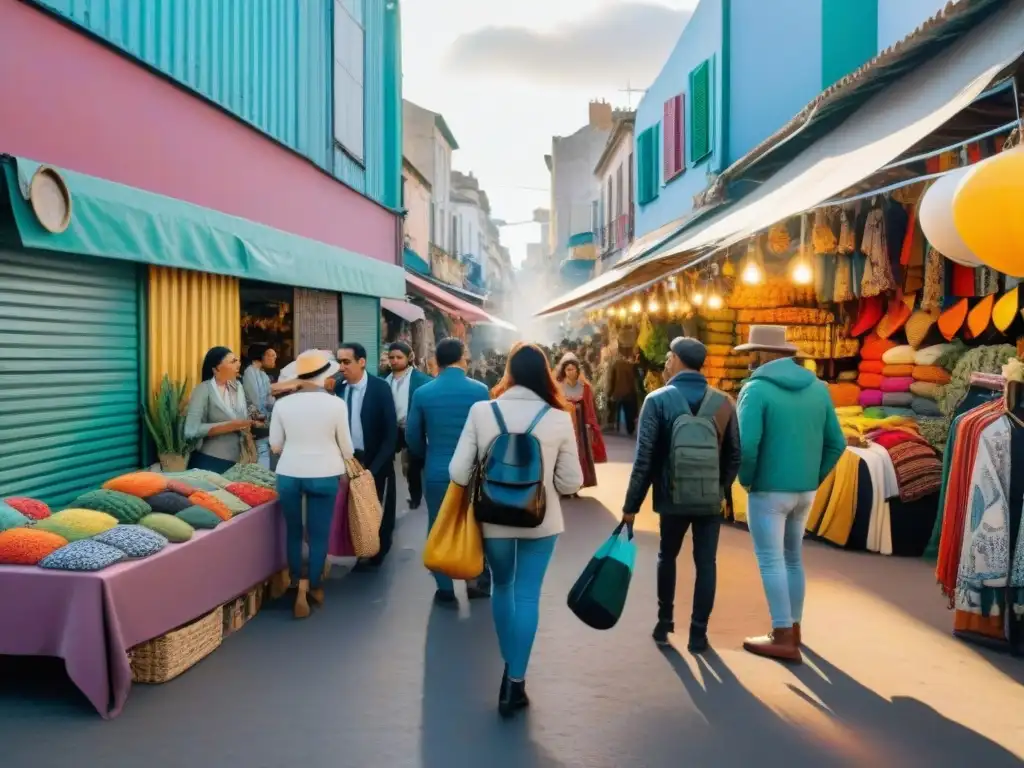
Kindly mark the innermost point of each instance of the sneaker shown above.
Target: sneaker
(661, 632)
(698, 640)
(445, 598)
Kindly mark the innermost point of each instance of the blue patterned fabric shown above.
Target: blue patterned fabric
(133, 540)
(11, 518)
(82, 555)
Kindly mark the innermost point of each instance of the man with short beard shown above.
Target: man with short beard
(404, 380)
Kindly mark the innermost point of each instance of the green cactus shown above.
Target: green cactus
(165, 418)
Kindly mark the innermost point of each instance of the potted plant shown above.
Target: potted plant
(165, 420)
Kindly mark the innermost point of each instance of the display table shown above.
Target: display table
(90, 620)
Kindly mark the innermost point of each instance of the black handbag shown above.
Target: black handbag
(509, 486)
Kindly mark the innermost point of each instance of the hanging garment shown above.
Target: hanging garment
(879, 537)
(934, 289)
(835, 503)
(878, 276)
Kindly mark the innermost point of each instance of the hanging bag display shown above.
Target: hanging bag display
(599, 594)
(454, 545)
(510, 480)
(364, 510)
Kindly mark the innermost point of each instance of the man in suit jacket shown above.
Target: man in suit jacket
(404, 380)
(374, 426)
(436, 417)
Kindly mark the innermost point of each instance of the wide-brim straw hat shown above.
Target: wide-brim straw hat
(768, 338)
(313, 365)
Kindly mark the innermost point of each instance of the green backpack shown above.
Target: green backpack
(695, 474)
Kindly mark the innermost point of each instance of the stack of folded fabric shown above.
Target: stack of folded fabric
(723, 368)
(930, 380)
(871, 369)
(897, 376)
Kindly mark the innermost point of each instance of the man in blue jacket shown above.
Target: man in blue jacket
(684, 395)
(437, 414)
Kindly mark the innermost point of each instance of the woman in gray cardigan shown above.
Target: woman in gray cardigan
(217, 413)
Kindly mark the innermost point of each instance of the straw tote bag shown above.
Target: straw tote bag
(364, 510)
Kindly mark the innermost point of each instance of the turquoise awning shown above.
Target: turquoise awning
(581, 238)
(114, 221)
(415, 263)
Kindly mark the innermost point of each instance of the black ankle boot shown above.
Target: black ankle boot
(513, 698)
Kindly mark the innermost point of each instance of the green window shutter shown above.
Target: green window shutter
(70, 355)
(647, 165)
(360, 322)
(700, 112)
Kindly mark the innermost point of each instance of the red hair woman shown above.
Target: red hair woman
(580, 395)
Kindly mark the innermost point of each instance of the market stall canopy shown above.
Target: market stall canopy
(886, 126)
(115, 221)
(404, 309)
(452, 304)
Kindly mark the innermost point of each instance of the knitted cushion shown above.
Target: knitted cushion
(171, 528)
(75, 524)
(11, 518)
(169, 502)
(27, 546)
(84, 555)
(186, 488)
(212, 503)
(133, 540)
(875, 348)
(927, 389)
(844, 395)
(924, 406)
(870, 397)
(901, 355)
(889, 412)
(199, 518)
(125, 507)
(931, 355)
(232, 502)
(897, 384)
(897, 399)
(30, 508)
(141, 484)
(254, 473)
(892, 371)
(849, 410)
(253, 495)
(871, 366)
(932, 374)
(870, 380)
(197, 477)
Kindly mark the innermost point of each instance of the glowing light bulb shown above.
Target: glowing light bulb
(635, 307)
(652, 306)
(622, 311)
(611, 312)
(802, 274)
(714, 301)
(752, 274)
(673, 307)
(698, 299)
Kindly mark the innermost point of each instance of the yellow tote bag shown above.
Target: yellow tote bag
(455, 546)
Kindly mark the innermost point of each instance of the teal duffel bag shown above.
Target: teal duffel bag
(599, 594)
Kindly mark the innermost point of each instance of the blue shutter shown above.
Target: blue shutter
(70, 361)
(360, 321)
(700, 112)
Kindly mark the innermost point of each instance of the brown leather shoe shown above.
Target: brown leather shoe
(796, 634)
(779, 644)
(301, 610)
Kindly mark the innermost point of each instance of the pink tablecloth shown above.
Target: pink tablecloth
(91, 619)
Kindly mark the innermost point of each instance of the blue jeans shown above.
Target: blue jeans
(777, 522)
(434, 493)
(517, 572)
(320, 493)
(263, 452)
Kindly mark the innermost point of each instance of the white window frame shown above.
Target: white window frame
(349, 46)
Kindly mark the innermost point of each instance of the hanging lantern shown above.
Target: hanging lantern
(622, 313)
(752, 266)
(636, 307)
(936, 216)
(673, 307)
(700, 291)
(652, 306)
(988, 211)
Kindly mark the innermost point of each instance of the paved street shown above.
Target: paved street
(380, 678)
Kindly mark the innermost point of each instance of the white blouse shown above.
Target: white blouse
(310, 430)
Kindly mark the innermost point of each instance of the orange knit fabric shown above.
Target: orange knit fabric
(870, 380)
(874, 347)
(27, 546)
(871, 366)
(844, 394)
(141, 484)
(933, 374)
(253, 495)
(215, 505)
(898, 370)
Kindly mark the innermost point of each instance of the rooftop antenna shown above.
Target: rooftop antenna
(629, 90)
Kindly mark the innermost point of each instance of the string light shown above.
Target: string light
(715, 301)
(622, 312)
(636, 307)
(752, 273)
(611, 312)
(652, 306)
(698, 298)
(673, 307)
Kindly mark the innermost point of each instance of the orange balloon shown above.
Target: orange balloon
(988, 211)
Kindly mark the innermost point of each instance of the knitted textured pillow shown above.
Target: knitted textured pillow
(75, 524)
(11, 518)
(30, 508)
(141, 484)
(212, 503)
(171, 528)
(254, 473)
(924, 406)
(931, 355)
(253, 495)
(932, 374)
(133, 540)
(186, 487)
(169, 502)
(199, 518)
(901, 355)
(27, 546)
(871, 397)
(871, 366)
(903, 369)
(232, 502)
(897, 384)
(84, 555)
(125, 507)
(897, 399)
(198, 477)
(927, 389)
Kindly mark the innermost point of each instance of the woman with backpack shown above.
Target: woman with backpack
(518, 504)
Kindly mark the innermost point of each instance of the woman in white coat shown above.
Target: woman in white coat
(519, 557)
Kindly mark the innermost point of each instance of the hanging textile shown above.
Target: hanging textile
(878, 276)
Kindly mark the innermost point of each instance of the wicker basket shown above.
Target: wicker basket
(165, 657)
(243, 609)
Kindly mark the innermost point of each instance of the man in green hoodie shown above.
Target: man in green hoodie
(790, 440)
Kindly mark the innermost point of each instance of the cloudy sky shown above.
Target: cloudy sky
(509, 76)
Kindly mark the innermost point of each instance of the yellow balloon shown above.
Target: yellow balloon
(988, 211)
